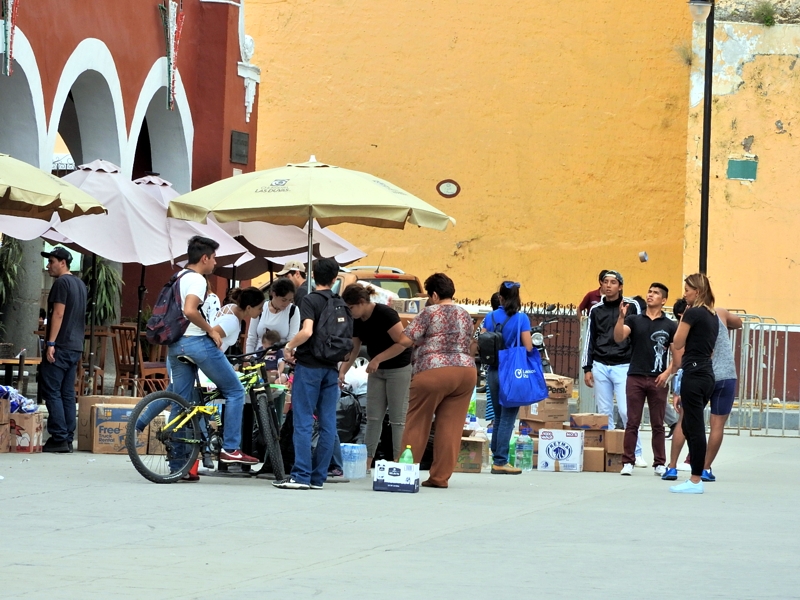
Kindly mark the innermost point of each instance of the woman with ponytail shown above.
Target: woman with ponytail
(516, 329)
(694, 340)
(247, 304)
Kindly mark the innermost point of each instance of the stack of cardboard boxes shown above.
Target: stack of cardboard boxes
(603, 448)
(103, 424)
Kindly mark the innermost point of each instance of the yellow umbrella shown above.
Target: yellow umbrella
(297, 193)
(26, 191)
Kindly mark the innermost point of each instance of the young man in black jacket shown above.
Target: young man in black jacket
(605, 363)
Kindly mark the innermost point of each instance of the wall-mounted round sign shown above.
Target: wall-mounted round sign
(448, 188)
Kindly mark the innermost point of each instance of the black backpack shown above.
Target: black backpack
(168, 323)
(333, 331)
(490, 343)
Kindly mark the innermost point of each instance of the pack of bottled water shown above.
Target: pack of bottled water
(354, 461)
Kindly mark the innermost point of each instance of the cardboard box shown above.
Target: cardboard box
(615, 441)
(594, 438)
(413, 306)
(594, 460)
(588, 421)
(85, 406)
(5, 438)
(470, 455)
(613, 463)
(25, 432)
(560, 450)
(153, 445)
(537, 426)
(110, 425)
(558, 386)
(549, 409)
(395, 477)
(5, 411)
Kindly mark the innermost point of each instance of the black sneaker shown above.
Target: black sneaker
(671, 431)
(56, 447)
(316, 486)
(290, 484)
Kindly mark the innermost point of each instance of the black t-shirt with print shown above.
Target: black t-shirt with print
(701, 339)
(650, 340)
(374, 333)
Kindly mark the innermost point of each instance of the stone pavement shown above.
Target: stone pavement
(88, 526)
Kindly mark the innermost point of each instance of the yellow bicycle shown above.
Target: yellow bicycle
(181, 430)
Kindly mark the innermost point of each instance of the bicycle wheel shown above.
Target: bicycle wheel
(171, 452)
(268, 432)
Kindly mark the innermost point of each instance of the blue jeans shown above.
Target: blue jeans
(58, 390)
(314, 391)
(209, 358)
(504, 420)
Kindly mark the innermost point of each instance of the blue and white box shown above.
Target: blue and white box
(560, 450)
(395, 477)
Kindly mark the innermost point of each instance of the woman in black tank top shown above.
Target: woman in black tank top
(695, 339)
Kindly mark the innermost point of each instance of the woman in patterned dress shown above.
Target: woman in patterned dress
(443, 378)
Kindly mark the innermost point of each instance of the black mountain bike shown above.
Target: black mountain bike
(181, 430)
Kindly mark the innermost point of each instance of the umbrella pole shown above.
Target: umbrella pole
(310, 248)
(142, 290)
(92, 321)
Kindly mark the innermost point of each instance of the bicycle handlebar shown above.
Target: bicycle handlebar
(257, 355)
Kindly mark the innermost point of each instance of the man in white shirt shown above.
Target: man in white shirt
(201, 343)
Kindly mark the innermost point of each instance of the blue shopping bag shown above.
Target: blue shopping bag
(521, 377)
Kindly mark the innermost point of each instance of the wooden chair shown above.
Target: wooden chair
(123, 338)
(98, 381)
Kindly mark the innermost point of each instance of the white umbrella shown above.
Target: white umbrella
(136, 228)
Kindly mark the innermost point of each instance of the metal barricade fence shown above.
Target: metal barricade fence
(768, 393)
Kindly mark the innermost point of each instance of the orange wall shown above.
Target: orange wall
(564, 123)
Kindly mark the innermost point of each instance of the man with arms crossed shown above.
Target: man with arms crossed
(651, 336)
(605, 363)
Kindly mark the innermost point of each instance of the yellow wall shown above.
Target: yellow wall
(564, 123)
(753, 256)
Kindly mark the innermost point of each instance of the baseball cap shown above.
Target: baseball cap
(292, 265)
(616, 274)
(59, 253)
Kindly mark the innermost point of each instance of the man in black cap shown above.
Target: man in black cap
(66, 312)
(605, 362)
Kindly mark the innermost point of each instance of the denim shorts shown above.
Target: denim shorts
(722, 398)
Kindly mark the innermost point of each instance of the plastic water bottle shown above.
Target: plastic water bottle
(473, 423)
(354, 461)
(512, 451)
(407, 457)
(524, 451)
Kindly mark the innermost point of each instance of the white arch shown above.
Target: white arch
(25, 58)
(168, 152)
(92, 55)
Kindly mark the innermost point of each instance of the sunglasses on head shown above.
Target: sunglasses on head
(510, 285)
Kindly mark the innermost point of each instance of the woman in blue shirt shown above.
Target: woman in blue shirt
(516, 328)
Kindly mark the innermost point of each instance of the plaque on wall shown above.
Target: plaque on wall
(240, 147)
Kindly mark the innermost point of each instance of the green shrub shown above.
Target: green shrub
(764, 13)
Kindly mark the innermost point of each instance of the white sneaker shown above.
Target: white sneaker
(627, 469)
(640, 462)
(660, 470)
(684, 467)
